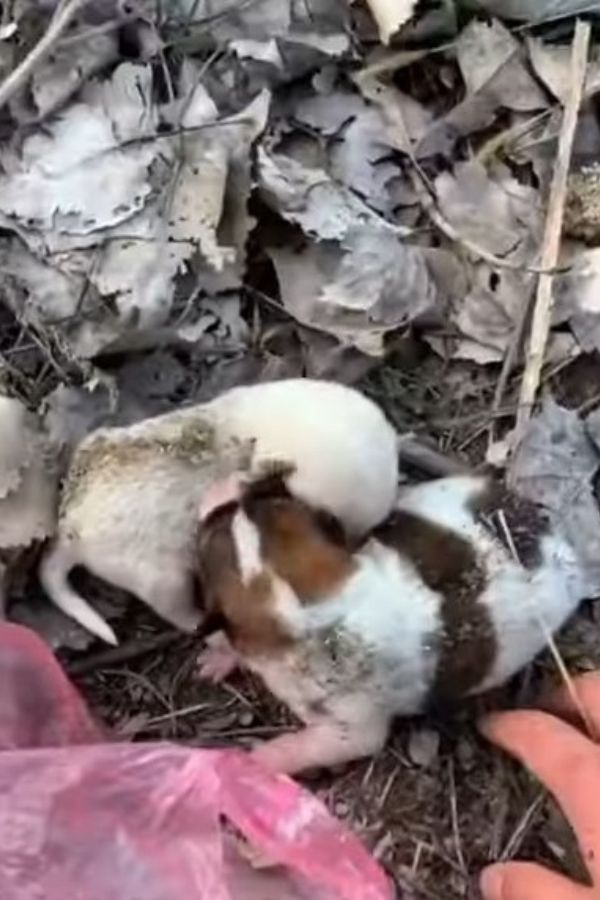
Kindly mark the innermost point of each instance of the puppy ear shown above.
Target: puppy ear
(224, 492)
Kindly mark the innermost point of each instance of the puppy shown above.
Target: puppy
(451, 595)
(129, 502)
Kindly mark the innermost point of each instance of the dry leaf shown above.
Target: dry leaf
(552, 64)
(496, 77)
(358, 290)
(70, 67)
(577, 295)
(390, 15)
(124, 221)
(310, 198)
(497, 213)
(538, 10)
(28, 477)
(359, 155)
(555, 464)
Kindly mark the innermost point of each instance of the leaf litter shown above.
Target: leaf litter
(196, 194)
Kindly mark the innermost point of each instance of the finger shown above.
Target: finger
(565, 761)
(528, 881)
(587, 690)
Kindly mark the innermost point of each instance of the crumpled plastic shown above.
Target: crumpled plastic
(85, 818)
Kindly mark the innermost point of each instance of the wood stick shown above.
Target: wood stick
(63, 16)
(544, 300)
(125, 653)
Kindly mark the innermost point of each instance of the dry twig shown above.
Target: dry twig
(542, 311)
(125, 653)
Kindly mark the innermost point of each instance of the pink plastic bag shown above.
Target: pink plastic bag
(82, 819)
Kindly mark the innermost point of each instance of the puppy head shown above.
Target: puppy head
(262, 555)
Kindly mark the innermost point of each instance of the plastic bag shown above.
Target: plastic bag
(81, 817)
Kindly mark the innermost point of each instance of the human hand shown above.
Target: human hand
(568, 763)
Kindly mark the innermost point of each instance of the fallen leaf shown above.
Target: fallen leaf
(28, 477)
(123, 215)
(555, 464)
(16, 447)
(358, 290)
(406, 120)
(390, 15)
(359, 156)
(496, 77)
(537, 10)
(310, 198)
(577, 294)
(552, 64)
(499, 214)
(70, 67)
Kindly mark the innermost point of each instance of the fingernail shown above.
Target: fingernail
(491, 882)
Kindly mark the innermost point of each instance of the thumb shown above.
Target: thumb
(528, 881)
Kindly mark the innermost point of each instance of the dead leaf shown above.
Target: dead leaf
(123, 215)
(390, 15)
(406, 120)
(496, 77)
(28, 477)
(70, 67)
(537, 10)
(555, 464)
(16, 446)
(552, 64)
(497, 213)
(358, 290)
(577, 295)
(310, 198)
(359, 156)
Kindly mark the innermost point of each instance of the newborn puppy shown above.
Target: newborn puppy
(129, 503)
(454, 593)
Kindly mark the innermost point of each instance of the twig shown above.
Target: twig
(122, 654)
(509, 362)
(413, 452)
(63, 16)
(516, 838)
(454, 816)
(542, 312)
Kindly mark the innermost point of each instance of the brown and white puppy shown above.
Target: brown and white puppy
(129, 503)
(454, 593)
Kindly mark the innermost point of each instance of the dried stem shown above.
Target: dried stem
(542, 311)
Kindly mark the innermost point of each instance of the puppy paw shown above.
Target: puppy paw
(218, 659)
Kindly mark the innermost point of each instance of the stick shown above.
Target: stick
(542, 311)
(421, 456)
(63, 16)
(119, 655)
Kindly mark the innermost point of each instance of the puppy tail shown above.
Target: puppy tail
(54, 575)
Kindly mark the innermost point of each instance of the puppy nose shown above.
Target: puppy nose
(219, 493)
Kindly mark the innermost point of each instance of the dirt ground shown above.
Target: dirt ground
(439, 802)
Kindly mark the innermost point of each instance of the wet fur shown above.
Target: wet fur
(130, 499)
(433, 606)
